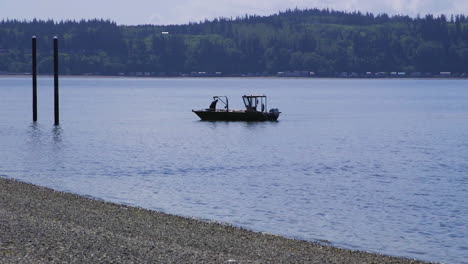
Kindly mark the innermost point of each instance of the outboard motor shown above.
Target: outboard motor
(274, 110)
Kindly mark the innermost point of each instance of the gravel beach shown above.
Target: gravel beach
(39, 225)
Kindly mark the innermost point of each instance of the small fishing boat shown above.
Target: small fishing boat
(255, 110)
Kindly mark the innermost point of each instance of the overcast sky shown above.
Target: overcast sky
(133, 12)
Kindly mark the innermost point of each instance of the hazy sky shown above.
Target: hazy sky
(132, 12)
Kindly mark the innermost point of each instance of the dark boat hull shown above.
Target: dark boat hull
(236, 116)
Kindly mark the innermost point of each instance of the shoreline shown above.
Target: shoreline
(227, 77)
(39, 225)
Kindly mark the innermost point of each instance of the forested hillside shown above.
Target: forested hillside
(322, 41)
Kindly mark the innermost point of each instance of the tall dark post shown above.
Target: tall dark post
(34, 78)
(56, 83)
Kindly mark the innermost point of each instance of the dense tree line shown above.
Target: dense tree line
(322, 41)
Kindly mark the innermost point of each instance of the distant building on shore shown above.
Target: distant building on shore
(293, 74)
(445, 74)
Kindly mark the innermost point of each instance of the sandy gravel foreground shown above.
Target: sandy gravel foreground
(39, 225)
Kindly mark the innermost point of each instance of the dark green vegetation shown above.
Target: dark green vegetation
(322, 41)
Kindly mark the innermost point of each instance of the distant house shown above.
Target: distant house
(293, 74)
(354, 75)
(381, 74)
(445, 74)
(200, 74)
(343, 75)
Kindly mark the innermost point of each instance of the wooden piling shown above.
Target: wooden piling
(56, 83)
(34, 78)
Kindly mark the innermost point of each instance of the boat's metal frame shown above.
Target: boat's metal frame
(225, 101)
(251, 102)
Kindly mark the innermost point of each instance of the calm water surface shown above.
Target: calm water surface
(375, 165)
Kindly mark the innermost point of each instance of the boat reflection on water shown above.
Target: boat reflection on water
(255, 110)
